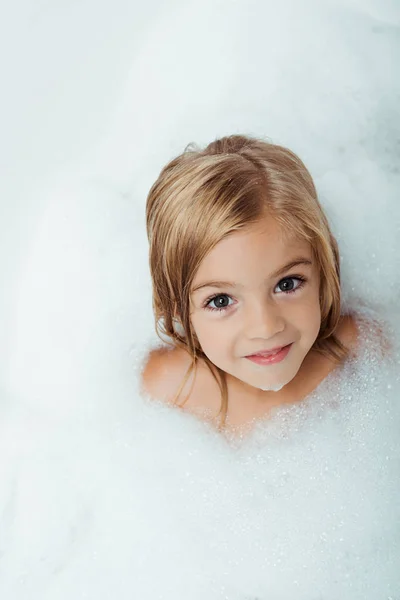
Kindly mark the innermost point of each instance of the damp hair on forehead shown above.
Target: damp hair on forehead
(203, 195)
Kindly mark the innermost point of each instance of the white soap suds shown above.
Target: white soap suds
(106, 494)
(272, 388)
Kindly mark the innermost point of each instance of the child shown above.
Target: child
(243, 262)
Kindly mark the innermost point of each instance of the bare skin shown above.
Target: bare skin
(269, 284)
(165, 370)
(257, 289)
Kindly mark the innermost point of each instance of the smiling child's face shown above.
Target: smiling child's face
(262, 309)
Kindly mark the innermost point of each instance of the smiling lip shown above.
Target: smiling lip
(265, 353)
(270, 359)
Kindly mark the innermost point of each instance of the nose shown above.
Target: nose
(264, 320)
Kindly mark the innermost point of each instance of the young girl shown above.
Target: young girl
(106, 495)
(246, 284)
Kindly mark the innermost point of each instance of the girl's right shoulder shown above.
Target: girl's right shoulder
(170, 377)
(163, 372)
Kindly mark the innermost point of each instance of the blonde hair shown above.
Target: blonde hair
(203, 195)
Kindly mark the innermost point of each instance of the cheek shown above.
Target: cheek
(212, 338)
(314, 320)
(306, 316)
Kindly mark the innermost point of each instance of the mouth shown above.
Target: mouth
(271, 357)
(266, 353)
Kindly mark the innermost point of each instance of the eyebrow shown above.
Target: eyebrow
(232, 284)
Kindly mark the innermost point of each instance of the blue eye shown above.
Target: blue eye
(212, 299)
(286, 283)
(292, 289)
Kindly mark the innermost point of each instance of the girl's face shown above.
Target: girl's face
(246, 298)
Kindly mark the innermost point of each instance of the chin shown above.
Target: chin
(275, 384)
(272, 388)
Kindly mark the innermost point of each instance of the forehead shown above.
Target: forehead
(265, 243)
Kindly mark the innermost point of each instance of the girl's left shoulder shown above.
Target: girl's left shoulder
(348, 331)
(351, 327)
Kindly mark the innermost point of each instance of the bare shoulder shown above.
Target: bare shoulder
(349, 334)
(163, 378)
(347, 331)
(163, 372)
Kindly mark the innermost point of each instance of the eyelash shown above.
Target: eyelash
(302, 280)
